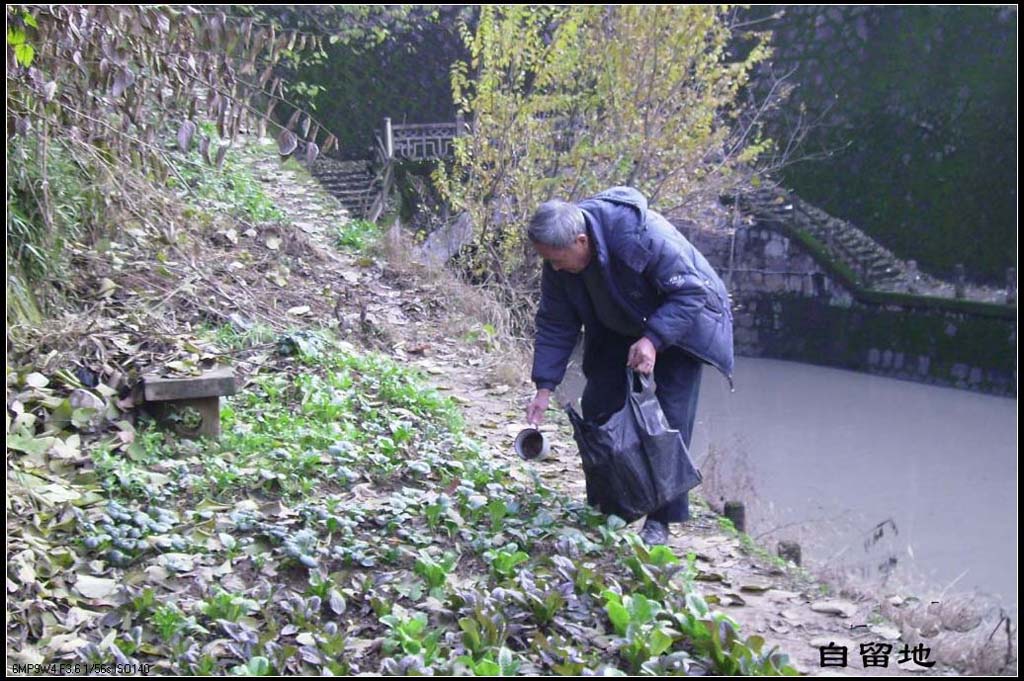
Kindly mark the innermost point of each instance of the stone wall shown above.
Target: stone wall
(789, 304)
(917, 125)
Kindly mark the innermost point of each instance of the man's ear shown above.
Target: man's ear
(583, 240)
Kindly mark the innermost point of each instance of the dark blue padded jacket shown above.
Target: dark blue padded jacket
(656, 275)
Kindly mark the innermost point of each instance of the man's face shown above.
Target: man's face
(574, 258)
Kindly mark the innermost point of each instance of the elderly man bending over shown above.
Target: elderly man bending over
(647, 299)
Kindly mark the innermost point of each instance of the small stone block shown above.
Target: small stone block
(214, 383)
(789, 550)
(736, 512)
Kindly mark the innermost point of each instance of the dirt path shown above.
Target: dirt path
(416, 319)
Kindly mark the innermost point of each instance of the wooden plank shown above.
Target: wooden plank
(423, 126)
(219, 381)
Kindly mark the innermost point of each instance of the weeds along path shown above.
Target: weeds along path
(428, 321)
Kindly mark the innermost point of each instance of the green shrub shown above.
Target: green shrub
(357, 235)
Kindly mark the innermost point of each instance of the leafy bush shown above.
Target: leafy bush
(357, 235)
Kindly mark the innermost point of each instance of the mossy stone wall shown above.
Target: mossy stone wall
(919, 109)
(789, 304)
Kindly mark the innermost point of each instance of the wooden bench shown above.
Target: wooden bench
(172, 399)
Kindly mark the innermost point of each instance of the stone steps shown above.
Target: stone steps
(859, 251)
(342, 177)
(351, 182)
(874, 265)
(349, 191)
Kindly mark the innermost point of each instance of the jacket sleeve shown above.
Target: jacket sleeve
(683, 295)
(558, 327)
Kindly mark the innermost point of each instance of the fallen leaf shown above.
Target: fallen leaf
(55, 493)
(337, 602)
(30, 445)
(107, 287)
(26, 655)
(22, 567)
(66, 449)
(156, 574)
(65, 643)
(178, 562)
(77, 617)
(361, 646)
(95, 587)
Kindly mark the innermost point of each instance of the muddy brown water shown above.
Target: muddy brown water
(888, 481)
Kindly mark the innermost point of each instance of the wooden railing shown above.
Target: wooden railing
(414, 142)
(421, 141)
(384, 179)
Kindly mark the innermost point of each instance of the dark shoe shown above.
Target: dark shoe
(654, 533)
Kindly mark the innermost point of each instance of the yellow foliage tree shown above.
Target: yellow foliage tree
(566, 101)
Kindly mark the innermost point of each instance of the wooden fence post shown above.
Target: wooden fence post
(389, 140)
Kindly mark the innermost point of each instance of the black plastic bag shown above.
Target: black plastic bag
(634, 462)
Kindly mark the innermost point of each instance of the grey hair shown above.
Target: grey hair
(556, 224)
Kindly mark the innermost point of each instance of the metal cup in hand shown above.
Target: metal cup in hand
(531, 445)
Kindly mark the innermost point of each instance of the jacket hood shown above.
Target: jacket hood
(621, 196)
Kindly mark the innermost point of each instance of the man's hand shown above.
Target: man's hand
(641, 356)
(535, 410)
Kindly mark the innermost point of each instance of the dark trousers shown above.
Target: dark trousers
(677, 376)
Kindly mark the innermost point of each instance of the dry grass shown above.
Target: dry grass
(473, 310)
(727, 476)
